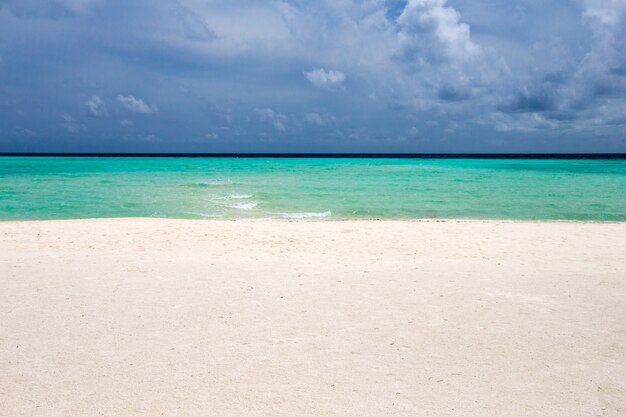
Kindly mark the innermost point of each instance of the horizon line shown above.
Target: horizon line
(338, 155)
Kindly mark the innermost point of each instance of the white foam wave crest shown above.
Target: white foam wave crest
(235, 197)
(309, 215)
(246, 205)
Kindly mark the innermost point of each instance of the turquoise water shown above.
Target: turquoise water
(67, 188)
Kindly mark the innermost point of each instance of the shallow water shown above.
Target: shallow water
(71, 187)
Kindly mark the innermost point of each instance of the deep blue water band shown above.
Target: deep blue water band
(335, 155)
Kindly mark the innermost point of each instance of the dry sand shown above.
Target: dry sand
(356, 318)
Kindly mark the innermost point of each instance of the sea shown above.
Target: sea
(315, 188)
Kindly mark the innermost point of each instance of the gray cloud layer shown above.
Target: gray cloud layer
(352, 75)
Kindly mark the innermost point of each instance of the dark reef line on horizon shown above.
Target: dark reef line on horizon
(621, 156)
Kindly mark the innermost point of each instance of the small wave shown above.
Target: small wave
(235, 197)
(246, 205)
(309, 215)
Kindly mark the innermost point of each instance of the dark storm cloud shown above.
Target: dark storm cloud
(298, 75)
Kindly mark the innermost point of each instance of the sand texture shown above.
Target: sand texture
(185, 318)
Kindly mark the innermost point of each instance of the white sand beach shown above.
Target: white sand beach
(158, 317)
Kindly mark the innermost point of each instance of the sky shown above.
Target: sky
(313, 76)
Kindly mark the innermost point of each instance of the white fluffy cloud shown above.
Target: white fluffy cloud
(435, 64)
(604, 66)
(278, 120)
(606, 12)
(96, 107)
(329, 80)
(432, 33)
(137, 105)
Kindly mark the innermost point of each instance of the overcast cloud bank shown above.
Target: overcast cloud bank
(337, 75)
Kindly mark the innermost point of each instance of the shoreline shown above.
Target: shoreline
(148, 316)
(318, 220)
